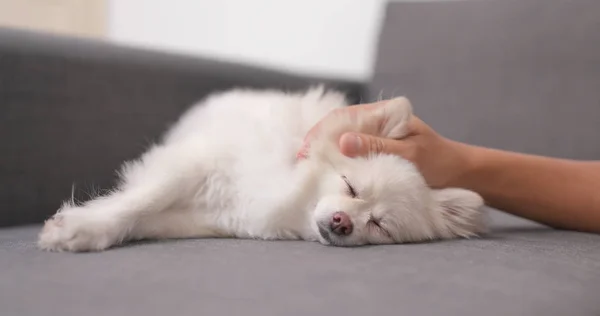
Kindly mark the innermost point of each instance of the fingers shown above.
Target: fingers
(352, 110)
(353, 145)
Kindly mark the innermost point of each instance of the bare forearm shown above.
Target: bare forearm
(560, 193)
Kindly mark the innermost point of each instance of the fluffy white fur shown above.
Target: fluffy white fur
(228, 168)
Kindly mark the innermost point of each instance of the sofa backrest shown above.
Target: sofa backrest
(520, 75)
(72, 110)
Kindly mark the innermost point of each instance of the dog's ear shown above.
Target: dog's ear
(460, 211)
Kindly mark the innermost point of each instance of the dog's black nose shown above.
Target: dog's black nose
(341, 224)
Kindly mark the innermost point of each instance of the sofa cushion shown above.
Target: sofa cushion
(521, 268)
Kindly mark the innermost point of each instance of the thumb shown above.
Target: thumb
(353, 145)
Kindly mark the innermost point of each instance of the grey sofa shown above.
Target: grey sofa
(516, 74)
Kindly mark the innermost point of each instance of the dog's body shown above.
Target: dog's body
(228, 168)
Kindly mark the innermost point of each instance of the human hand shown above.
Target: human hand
(441, 161)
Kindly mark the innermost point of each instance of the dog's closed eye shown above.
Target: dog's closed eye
(351, 189)
(376, 223)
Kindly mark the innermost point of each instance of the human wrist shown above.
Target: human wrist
(467, 161)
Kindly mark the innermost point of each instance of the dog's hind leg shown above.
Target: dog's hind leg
(154, 197)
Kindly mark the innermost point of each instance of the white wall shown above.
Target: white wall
(329, 37)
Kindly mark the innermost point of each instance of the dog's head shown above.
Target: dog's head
(383, 199)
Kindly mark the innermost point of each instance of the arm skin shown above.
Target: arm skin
(560, 193)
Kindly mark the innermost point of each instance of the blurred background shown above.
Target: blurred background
(323, 37)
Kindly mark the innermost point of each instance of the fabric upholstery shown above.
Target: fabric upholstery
(73, 110)
(521, 75)
(515, 74)
(520, 269)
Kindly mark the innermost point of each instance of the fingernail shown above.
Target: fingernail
(350, 144)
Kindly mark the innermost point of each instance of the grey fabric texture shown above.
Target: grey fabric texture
(72, 110)
(521, 268)
(522, 75)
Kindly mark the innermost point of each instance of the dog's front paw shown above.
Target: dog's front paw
(77, 230)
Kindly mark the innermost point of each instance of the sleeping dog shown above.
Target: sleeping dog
(228, 168)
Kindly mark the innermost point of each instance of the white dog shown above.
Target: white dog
(228, 168)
